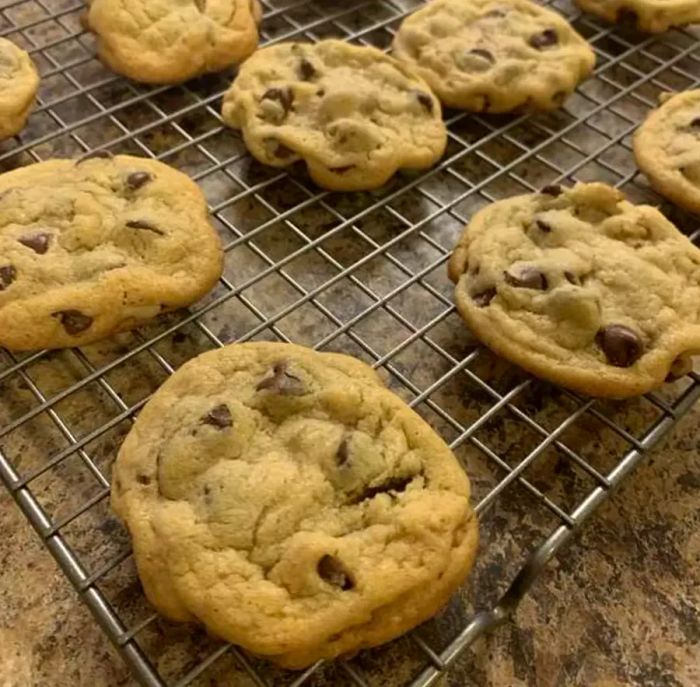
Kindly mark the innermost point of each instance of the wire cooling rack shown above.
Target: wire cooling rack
(360, 273)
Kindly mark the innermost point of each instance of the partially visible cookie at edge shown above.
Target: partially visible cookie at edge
(95, 246)
(667, 149)
(582, 288)
(353, 114)
(19, 82)
(170, 42)
(287, 500)
(652, 16)
(494, 55)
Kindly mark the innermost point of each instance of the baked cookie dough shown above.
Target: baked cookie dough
(580, 287)
(170, 41)
(652, 16)
(353, 114)
(667, 149)
(19, 83)
(94, 246)
(291, 503)
(494, 55)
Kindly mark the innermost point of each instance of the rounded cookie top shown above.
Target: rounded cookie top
(93, 246)
(19, 83)
(291, 503)
(353, 114)
(494, 55)
(581, 287)
(158, 42)
(653, 16)
(667, 149)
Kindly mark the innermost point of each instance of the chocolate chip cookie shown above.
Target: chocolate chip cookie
(158, 42)
(652, 16)
(291, 503)
(494, 55)
(19, 83)
(353, 114)
(94, 246)
(667, 149)
(582, 288)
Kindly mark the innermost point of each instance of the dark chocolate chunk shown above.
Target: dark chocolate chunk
(425, 100)
(622, 346)
(283, 96)
(7, 275)
(545, 39)
(484, 298)
(343, 453)
(306, 70)
(282, 382)
(487, 55)
(73, 321)
(39, 242)
(571, 277)
(146, 226)
(331, 570)
(552, 190)
(695, 123)
(143, 479)
(136, 180)
(393, 484)
(94, 155)
(546, 228)
(219, 417)
(528, 278)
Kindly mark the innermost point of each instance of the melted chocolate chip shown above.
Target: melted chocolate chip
(281, 151)
(143, 479)
(545, 39)
(281, 382)
(343, 453)
(679, 368)
(695, 123)
(546, 228)
(552, 190)
(482, 299)
(283, 96)
(425, 101)
(7, 275)
(136, 180)
(306, 70)
(394, 484)
(73, 321)
(528, 278)
(341, 170)
(331, 570)
(621, 345)
(487, 55)
(146, 226)
(39, 243)
(219, 417)
(571, 277)
(95, 155)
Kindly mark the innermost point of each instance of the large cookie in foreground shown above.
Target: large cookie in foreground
(19, 82)
(494, 55)
(652, 16)
(353, 114)
(94, 246)
(582, 288)
(158, 42)
(667, 149)
(291, 503)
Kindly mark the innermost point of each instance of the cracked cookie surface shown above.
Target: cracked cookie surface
(582, 288)
(652, 16)
(290, 502)
(494, 55)
(19, 83)
(667, 149)
(170, 41)
(95, 246)
(353, 114)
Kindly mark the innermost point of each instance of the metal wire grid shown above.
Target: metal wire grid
(361, 273)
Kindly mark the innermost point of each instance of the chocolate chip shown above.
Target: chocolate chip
(331, 570)
(680, 367)
(621, 345)
(7, 275)
(482, 299)
(545, 39)
(143, 479)
(425, 100)
(281, 382)
(695, 123)
(546, 228)
(571, 277)
(219, 417)
(343, 453)
(552, 190)
(306, 70)
(136, 180)
(475, 269)
(393, 484)
(341, 170)
(495, 13)
(283, 96)
(279, 150)
(207, 495)
(39, 243)
(73, 321)
(528, 278)
(146, 226)
(95, 155)
(487, 55)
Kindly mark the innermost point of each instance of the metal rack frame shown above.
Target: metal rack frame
(84, 107)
